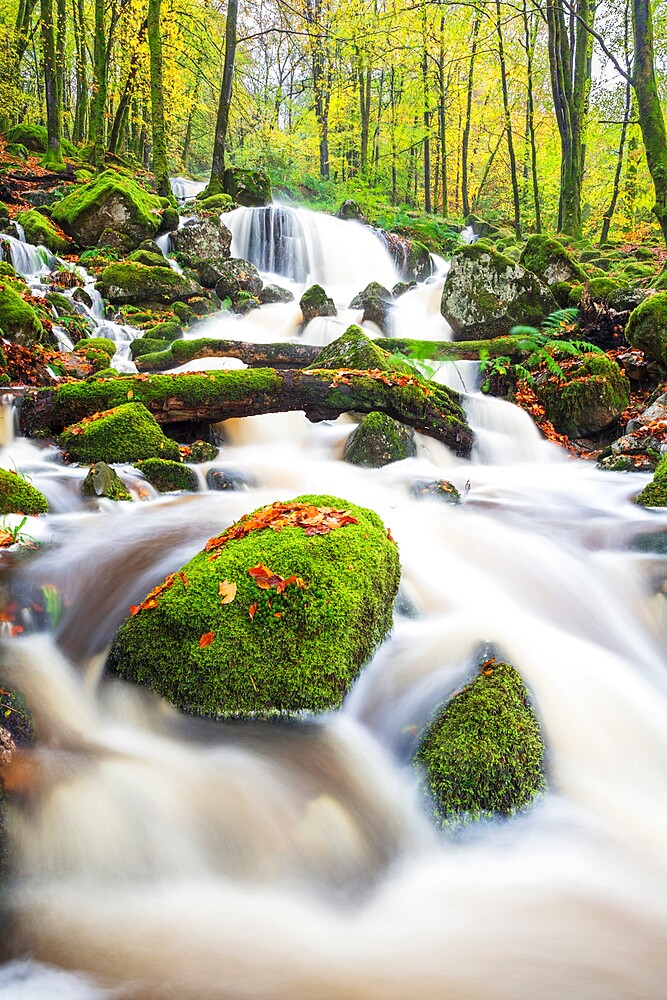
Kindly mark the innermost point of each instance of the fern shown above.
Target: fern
(560, 318)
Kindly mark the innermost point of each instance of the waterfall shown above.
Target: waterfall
(28, 260)
(183, 188)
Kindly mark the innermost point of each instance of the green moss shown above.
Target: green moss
(40, 231)
(484, 755)
(168, 476)
(33, 137)
(302, 648)
(315, 302)
(104, 344)
(646, 328)
(79, 212)
(147, 258)
(7, 270)
(216, 203)
(125, 433)
(604, 289)
(18, 496)
(168, 329)
(103, 373)
(594, 394)
(131, 282)
(655, 494)
(201, 451)
(185, 314)
(147, 347)
(550, 261)
(355, 350)
(18, 320)
(379, 440)
(103, 481)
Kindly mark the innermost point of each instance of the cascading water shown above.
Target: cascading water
(164, 857)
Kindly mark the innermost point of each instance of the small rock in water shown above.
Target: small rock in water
(227, 479)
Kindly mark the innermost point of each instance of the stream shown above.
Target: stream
(168, 857)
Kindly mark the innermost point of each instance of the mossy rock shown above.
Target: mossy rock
(236, 276)
(125, 433)
(184, 313)
(247, 187)
(102, 373)
(61, 305)
(592, 397)
(550, 261)
(633, 269)
(379, 440)
(103, 481)
(141, 346)
(168, 329)
(646, 329)
(356, 351)
(19, 320)
(200, 239)
(170, 219)
(655, 494)
(148, 258)
(271, 294)
(18, 496)
(216, 203)
(104, 344)
(439, 489)
(111, 205)
(129, 282)
(17, 151)
(41, 232)
(168, 476)
(315, 302)
(606, 290)
(294, 645)
(33, 137)
(201, 451)
(486, 294)
(376, 302)
(7, 270)
(484, 756)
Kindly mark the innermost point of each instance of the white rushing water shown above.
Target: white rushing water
(160, 857)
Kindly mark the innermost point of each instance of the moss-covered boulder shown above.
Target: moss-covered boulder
(379, 440)
(358, 352)
(104, 344)
(315, 302)
(485, 294)
(40, 231)
(593, 395)
(142, 346)
(168, 477)
(411, 257)
(125, 433)
(103, 481)
(646, 328)
(376, 302)
(351, 210)
(236, 276)
(18, 496)
(148, 257)
(484, 755)
(19, 321)
(248, 187)
(278, 613)
(33, 137)
(133, 283)
(550, 261)
(111, 204)
(271, 294)
(655, 494)
(215, 203)
(201, 451)
(200, 239)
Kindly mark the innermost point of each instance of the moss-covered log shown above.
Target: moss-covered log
(291, 355)
(431, 409)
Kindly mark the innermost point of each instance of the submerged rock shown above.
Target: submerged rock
(441, 489)
(103, 481)
(266, 620)
(124, 433)
(315, 302)
(227, 479)
(485, 294)
(484, 754)
(167, 476)
(18, 496)
(379, 440)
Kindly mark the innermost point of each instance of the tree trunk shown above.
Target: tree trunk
(54, 157)
(651, 120)
(608, 215)
(99, 101)
(158, 129)
(529, 41)
(364, 84)
(508, 124)
(216, 183)
(466, 130)
(120, 118)
(81, 109)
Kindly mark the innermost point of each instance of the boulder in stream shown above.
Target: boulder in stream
(276, 614)
(125, 433)
(200, 239)
(40, 230)
(484, 753)
(550, 261)
(647, 328)
(486, 293)
(236, 276)
(315, 302)
(379, 440)
(19, 321)
(354, 350)
(376, 302)
(103, 481)
(593, 395)
(655, 494)
(18, 496)
(130, 282)
(167, 476)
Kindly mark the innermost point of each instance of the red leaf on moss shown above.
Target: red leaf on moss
(252, 610)
(206, 639)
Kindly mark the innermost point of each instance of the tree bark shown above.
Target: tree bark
(54, 157)
(430, 408)
(158, 129)
(530, 36)
(609, 214)
(465, 142)
(99, 101)
(81, 108)
(651, 119)
(508, 124)
(216, 183)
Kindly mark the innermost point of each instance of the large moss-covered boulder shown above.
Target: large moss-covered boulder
(18, 496)
(19, 322)
(376, 302)
(33, 137)
(411, 257)
(248, 187)
(40, 231)
(647, 328)
(484, 754)
(103, 481)
(127, 282)
(655, 494)
(167, 476)
(126, 433)
(278, 613)
(236, 276)
(200, 239)
(379, 440)
(550, 261)
(315, 302)
(358, 352)
(485, 294)
(111, 209)
(593, 395)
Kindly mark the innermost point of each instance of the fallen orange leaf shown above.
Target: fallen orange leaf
(227, 592)
(206, 639)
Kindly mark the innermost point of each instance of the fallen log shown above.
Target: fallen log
(296, 355)
(322, 394)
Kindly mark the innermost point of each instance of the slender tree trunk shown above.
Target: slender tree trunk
(54, 157)
(508, 124)
(22, 28)
(529, 41)
(609, 214)
(651, 119)
(99, 101)
(364, 84)
(466, 130)
(631, 171)
(216, 183)
(120, 118)
(81, 109)
(61, 47)
(442, 119)
(158, 129)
